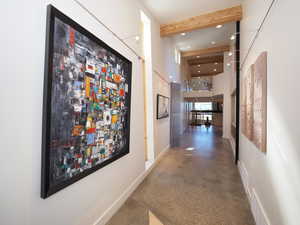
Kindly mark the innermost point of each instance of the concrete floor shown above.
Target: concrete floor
(199, 187)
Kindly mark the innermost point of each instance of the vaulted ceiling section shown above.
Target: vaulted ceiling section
(201, 29)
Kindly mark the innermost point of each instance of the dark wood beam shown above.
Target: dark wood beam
(205, 74)
(205, 51)
(206, 60)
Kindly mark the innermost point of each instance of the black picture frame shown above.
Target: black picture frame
(46, 188)
(158, 114)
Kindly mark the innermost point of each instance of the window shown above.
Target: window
(148, 90)
(207, 115)
(203, 106)
(177, 56)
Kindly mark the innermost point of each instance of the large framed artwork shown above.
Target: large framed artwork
(163, 107)
(86, 111)
(254, 103)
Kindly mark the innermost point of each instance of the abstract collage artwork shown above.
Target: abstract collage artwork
(87, 92)
(254, 103)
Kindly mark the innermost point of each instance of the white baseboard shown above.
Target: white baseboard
(232, 143)
(106, 216)
(245, 178)
(257, 208)
(258, 211)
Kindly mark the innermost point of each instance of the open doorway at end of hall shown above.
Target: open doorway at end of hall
(206, 111)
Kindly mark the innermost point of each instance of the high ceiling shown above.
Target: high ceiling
(203, 38)
(205, 66)
(167, 11)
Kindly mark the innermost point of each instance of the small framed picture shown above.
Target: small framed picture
(163, 107)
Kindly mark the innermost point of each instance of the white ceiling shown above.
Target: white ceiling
(167, 11)
(202, 38)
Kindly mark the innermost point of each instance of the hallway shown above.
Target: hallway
(190, 187)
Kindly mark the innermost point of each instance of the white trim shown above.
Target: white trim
(257, 208)
(245, 178)
(106, 216)
(232, 143)
(258, 211)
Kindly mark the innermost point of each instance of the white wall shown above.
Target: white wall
(166, 74)
(22, 63)
(128, 13)
(274, 176)
(161, 60)
(222, 85)
(161, 126)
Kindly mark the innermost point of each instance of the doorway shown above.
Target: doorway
(237, 93)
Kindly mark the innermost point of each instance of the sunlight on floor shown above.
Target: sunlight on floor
(190, 149)
(153, 219)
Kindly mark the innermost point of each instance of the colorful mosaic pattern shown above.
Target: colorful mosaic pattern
(90, 103)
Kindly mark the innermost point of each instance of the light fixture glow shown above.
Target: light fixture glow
(137, 38)
(190, 149)
(183, 34)
(228, 64)
(199, 71)
(230, 54)
(216, 63)
(232, 37)
(213, 42)
(198, 56)
(219, 26)
(199, 65)
(171, 77)
(215, 70)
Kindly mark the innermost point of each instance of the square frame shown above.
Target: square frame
(46, 188)
(158, 115)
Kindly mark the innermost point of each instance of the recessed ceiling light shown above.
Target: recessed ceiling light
(215, 70)
(213, 42)
(199, 65)
(137, 38)
(199, 71)
(219, 26)
(228, 64)
(216, 63)
(183, 34)
(230, 53)
(232, 37)
(198, 56)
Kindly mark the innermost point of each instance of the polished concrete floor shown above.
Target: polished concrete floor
(199, 186)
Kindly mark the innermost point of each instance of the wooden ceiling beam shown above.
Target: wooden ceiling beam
(205, 75)
(206, 60)
(205, 51)
(211, 65)
(203, 21)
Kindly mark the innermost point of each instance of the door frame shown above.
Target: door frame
(237, 131)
